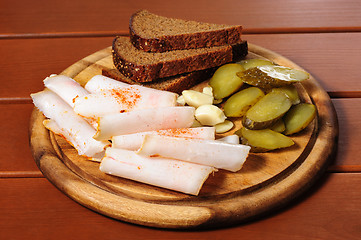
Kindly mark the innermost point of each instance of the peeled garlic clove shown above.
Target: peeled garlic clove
(208, 91)
(224, 126)
(209, 115)
(196, 99)
(181, 101)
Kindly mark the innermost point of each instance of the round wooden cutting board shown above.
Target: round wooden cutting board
(266, 182)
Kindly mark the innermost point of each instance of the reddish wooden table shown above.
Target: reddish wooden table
(40, 38)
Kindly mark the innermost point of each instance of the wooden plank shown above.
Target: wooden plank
(331, 58)
(25, 63)
(126, 32)
(14, 144)
(109, 16)
(311, 51)
(348, 113)
(34, 209)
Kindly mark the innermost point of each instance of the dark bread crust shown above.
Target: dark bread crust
(211, 38)
(161, 69)
(239, 51)
(174, 84)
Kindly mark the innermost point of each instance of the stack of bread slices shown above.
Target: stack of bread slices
(173, 54)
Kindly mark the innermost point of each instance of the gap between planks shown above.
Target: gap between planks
(38, 174)
(16, 100)
(21, 174)
(344, 169)
(27, 100)
(126, 33)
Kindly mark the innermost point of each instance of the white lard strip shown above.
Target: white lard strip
(66, 87)
(144, 120)
(75, 129)
(233, 139)
(122, 100)
(53, 126)
(100, 83)
(207, 152)
(162, 172)
(134, 141)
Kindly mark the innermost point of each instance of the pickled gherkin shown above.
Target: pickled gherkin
(278, 126)
(263, 140)
(291, 92)
(239, 103)
(271, 76)
(225, 82)
(251, 63)
(298, 117)
(267, 111)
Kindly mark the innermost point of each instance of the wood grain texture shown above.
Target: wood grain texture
(34, 209)
(108, 16)
(314, 52)
(332, 58)
(14, 144)
(25, 63)
(262, 186)
(348, 112)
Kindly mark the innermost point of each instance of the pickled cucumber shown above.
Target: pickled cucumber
(251, 63)
(298, 117)
(270, 76)
(263, 140)
(225, 81)
(291, 92)
(239, 103)
(267, 111)
(278, 126)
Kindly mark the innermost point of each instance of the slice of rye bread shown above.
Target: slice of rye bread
(153, 33)
(174, 84)
(143, 66)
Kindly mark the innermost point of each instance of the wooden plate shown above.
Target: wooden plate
(266, 182)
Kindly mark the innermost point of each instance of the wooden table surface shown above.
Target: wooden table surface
(38, 38)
